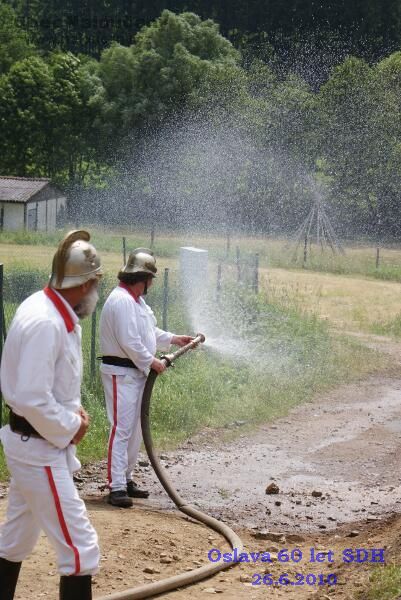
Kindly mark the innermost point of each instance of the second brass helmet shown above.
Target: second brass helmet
(140, 260)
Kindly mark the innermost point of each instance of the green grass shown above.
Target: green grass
(93, 446)
(3, 467)
(391, 327)
(384, 584)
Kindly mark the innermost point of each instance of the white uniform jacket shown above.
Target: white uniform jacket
(40, 379)
(128, 330)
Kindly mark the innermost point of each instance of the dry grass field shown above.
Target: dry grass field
(349, 303)
(15, 255)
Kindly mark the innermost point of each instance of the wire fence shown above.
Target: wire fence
(166, 301)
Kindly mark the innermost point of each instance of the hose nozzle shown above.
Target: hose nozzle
(169, 358)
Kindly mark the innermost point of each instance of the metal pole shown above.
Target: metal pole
(93, 346)
(165, 299)
(124, 251)
(1, 335)
(228, 244)
(377, 257)
(152, 236)
(256, 275)
(218, 284)
(305, 250)
(237, 260)
(378, 232)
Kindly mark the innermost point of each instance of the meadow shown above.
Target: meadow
(346, 290)
(359, 257)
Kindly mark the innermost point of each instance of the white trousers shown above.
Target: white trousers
(45, 498)
(123, 395)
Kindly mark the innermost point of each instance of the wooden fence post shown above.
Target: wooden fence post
(255, 285)
(218, 283)
(124, 250)
(228, 244)
(238, 263)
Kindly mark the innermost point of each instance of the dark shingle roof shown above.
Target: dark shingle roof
(20, 189)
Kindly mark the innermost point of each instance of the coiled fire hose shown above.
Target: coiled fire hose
(177, 581)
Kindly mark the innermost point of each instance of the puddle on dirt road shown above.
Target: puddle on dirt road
(394, 425)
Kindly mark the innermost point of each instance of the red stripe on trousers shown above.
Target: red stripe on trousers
(113, 431)
(61, 519)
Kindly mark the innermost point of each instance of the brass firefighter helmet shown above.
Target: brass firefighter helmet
(75, 261)
(140, 260)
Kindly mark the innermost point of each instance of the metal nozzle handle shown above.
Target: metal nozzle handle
(169, 358)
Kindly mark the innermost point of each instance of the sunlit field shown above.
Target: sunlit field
(347, 303)
(347, 290)
(359, 258)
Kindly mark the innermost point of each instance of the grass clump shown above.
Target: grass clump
(384, 584)
(392, 327)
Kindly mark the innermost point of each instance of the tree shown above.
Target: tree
(162, 71)
(346, 139)
(14, 43)
(388, 145)
(359, 133)
(46, 118)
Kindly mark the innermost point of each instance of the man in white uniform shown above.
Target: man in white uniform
(128, 341)
(40, 377)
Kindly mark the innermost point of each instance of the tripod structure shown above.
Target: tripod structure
(316, 227)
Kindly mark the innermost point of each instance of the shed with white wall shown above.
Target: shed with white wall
(33, 204)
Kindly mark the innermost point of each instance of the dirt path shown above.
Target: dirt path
(141, 546)
(336, 462)
(346, 447)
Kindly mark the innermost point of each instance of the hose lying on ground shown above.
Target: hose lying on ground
(172, 583)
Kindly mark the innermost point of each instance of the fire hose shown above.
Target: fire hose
(184, 579)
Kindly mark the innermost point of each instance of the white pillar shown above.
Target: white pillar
(194, 273)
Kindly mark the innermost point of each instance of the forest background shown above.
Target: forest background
(159, 109)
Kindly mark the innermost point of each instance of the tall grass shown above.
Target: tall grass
(391, 327)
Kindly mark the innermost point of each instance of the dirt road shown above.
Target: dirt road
(334, 461)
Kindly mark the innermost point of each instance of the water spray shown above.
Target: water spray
(184, 579)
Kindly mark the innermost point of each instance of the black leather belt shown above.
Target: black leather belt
(117, 361)
(20, 425)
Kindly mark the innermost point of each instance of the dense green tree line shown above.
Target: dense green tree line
(89, 26)
(176, 123)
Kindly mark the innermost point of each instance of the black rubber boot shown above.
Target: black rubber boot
(133, 491)
(9, 572)
(120, 498)
(76, 587)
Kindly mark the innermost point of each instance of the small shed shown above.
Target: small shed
(30, 203)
